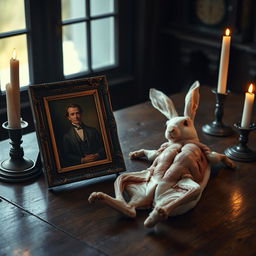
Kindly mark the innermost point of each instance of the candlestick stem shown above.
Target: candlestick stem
(242, 152)
(217, 128)
(17, 168)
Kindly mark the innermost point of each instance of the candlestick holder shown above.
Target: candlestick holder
(242, 152)
(217, 128)
(17, 168)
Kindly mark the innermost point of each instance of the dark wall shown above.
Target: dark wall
(169, 49)
(188, 49)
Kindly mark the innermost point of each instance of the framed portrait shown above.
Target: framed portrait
(76, 130)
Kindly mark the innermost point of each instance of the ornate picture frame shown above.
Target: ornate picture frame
(76, 130)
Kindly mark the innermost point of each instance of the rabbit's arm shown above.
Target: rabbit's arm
(151, 155)
(214, 157)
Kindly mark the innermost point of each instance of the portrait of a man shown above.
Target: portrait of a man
(81, 143)
(76, 130)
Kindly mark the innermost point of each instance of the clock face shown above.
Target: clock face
(210, 12)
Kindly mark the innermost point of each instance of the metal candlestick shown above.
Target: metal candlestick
(217, 128)
(17, 168)
(242, 152)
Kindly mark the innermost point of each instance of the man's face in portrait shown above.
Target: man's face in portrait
(74, 115)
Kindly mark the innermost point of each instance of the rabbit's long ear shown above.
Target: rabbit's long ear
(163, 103)
(192, 100)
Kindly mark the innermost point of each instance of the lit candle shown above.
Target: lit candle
(248, 107)
(224, 60)
(13, 94)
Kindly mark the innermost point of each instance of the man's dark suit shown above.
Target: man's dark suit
(75, 148)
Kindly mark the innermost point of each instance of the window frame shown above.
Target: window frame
(88, 21)
(44, 32)
(41, 31)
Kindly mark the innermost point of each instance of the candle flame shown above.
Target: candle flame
(227, 32)
(251, 88)
(14, 54)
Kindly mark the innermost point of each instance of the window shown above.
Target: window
(13, 33)
(63, 39)
(57, 40)
(88, 35)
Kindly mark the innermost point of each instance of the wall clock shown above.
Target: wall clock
(210, 12)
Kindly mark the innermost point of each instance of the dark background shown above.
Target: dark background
(166, 46)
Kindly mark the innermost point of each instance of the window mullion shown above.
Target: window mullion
(54, 41)
(116, 33)
(44, 40)
(13, 33)
(36, 41)
(29, 41)
(88, 36)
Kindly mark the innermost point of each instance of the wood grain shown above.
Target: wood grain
(24, 234)
(223, 222)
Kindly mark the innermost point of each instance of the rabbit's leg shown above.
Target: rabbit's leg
(120, 185)
(141, 197)
(168, 197)
(130, 177)
(117, 204)
(141, 194)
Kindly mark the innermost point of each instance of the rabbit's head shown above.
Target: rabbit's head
(178, 128)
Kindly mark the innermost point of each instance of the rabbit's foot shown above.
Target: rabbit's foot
(116, 204)
(96, 196)
(157, 215)
(137, 154)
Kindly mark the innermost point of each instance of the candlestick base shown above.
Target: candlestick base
(240, 155)
(217, 128)
(242, 152)
(18, 168)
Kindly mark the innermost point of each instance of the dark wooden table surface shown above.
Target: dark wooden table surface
(36, 221)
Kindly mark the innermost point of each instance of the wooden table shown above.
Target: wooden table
(36, 221)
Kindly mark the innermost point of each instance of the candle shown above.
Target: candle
(14, 65)
(12, 115)
(248, 107)
(224, 60)
(13, 94)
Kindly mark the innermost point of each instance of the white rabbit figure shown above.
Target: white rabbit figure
(173, 184)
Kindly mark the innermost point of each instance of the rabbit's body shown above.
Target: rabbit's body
(173, 184)
(178, 161)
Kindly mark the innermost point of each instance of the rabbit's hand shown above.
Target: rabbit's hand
(150, 155)
(137, 154)
(229, 163)
(215, 158)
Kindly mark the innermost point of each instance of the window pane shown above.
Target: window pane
(7, 45)
(72, 9)
(12, 15)
(101, 7)
(74, 48)
(103, 52)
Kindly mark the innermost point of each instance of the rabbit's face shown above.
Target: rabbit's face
(180, 128)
